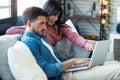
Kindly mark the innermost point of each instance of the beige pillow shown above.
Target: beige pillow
(22, 63)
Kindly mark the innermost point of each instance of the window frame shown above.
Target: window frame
(13, 18)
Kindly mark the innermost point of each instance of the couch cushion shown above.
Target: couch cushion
(71, 25)
(68, 50)
(22, 63)
(6, 41)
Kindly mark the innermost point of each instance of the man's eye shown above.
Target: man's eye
(42, 23)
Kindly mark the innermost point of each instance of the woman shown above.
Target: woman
(56, 30)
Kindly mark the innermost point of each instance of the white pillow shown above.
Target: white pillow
(71, 25)
(22, 63)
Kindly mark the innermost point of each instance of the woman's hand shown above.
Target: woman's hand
(91, 47)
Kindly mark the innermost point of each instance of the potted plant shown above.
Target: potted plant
(70, 10)
(68, 6)
(94, 6)
(93, 12)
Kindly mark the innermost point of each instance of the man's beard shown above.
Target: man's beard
(38, 32)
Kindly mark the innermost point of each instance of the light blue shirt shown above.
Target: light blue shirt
(44, 58)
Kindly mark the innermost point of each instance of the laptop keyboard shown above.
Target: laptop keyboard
(77, 66)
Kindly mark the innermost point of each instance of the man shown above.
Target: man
(48, 59)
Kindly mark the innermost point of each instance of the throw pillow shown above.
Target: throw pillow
(22, 63)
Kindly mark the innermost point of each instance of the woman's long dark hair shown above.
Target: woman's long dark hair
(52, 7)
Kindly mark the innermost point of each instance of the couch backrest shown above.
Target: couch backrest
(6, 41)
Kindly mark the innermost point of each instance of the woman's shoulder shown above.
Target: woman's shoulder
(64, 25)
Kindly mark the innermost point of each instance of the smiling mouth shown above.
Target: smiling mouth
(51, 23)
(43, 30)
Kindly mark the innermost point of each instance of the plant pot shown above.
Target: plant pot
(93, 13)
(70, 12)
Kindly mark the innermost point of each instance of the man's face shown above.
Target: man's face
(39, 25)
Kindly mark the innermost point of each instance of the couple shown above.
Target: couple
(37, 21)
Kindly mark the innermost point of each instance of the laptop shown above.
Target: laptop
(98, 57)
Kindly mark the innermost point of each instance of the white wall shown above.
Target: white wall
(114, 22)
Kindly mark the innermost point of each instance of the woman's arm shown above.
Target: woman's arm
(16, 30)
(76, 38)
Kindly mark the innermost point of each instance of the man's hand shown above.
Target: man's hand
(74, 61)
(79, 61)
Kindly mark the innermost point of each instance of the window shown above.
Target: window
(22, 4)
(8, 11)
(11, 9)
(5, 9)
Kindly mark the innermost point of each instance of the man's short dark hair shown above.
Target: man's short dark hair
(31, 13)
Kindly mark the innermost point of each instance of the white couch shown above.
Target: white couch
(7, 41)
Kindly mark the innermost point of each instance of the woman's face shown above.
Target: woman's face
(52, 19)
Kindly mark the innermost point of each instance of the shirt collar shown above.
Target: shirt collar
(28, 33)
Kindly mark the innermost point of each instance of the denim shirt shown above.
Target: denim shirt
(44, 58)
